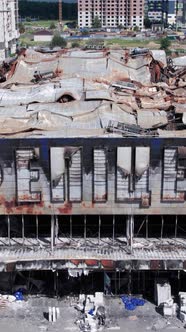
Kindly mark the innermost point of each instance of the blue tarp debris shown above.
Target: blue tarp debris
(132, 302)
(19, 296)
(91, 312)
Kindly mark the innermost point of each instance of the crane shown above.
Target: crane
(60, 13)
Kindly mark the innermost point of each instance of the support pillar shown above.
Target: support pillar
(113, 230)
(85, 229)
(147, 227)
(56, 228)
(56, 283)
(8, 222)
(130, 231)
(52, 232)
(71, 227)
(115, 282)
(99, 230)
(143, 282)
(129, 282)
(176, 226)
(162, 224)
(37, 229)
(23, 230)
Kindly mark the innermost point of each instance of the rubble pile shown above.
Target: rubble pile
(165, 301)
(182, 306)
(91, 311)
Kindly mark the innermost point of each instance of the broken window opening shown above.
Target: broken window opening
(140, 226)
(30, 230)
(181, 226)
(16, 226)
(106, 229)
(93, 282)
(18, 229)
(169, 226)
(78, 226)
(154, 226)
(92, 223)
(3, 226)
(63, 226)
(44, 226)
(120, 226)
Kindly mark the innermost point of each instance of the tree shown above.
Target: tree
(136, 28)
(57, 40)
(52, 26)
(120, 26)
(75, 44)
(85, 32)
(96, 22)
(147, 23)
(165, 43)
(21, 27)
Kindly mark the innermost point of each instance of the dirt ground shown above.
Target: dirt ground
(29, 316)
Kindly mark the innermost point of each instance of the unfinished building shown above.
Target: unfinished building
(92, 172)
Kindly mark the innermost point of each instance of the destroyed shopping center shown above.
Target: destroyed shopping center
(92, 171)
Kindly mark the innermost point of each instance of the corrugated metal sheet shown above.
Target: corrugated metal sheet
(145, 250)
(180, 61)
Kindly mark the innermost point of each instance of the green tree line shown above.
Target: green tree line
(46, 10)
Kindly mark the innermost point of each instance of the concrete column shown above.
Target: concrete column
(8, 221)
(52, 233)
(85, 229)
(99, 230)
(147, 223)
(176, 226)
(162, 224)
(113, 230)
(37, 230)
(23, 230)
(130, 231)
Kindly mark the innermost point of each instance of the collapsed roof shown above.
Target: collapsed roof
(104, 93)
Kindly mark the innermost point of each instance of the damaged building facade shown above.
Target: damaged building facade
(92, 172)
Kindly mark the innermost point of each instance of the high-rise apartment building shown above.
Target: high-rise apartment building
(172, 12)
(157, 10)
(166, 11)
(177, 13)
(180, 13)
(111, 13)
(8, 27)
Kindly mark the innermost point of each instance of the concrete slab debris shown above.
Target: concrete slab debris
(162, 292)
